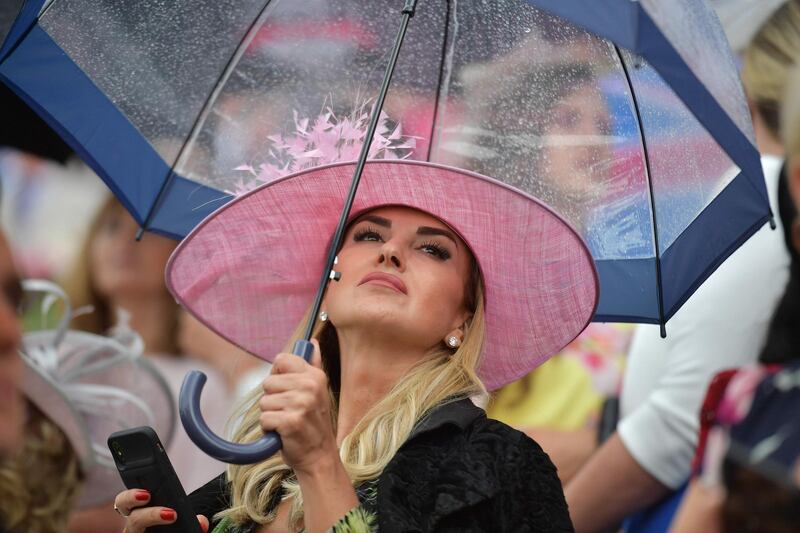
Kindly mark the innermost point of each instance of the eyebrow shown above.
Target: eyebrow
(385, 222)
(427, 230)
(422, 230)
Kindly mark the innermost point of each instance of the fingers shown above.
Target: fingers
(316, 358)
(142, 518)
(285, 423)
(285, 382)
(304, 401)
(287, 363)
(203, 522)
(290, 372)
(128, 500)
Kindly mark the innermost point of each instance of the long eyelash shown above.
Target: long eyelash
(439, 251)
(368, 230)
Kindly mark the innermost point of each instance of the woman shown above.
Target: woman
(241, 371)
(549, 130)
(709, 503)
(122, 281)
(451, 283)
(11, 408)
(78, 388)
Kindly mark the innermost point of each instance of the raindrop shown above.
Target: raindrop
(527, 30)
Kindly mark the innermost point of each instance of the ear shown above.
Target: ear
(458, 333)
(458, 330)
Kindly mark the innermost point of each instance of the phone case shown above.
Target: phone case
(143, 463)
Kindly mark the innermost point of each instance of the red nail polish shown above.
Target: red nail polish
(167, 514)
(142, 496)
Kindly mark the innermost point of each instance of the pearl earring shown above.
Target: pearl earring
(323, 316)
(452, 341)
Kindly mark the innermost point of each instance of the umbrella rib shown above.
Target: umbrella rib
(407, 13)
(442, 61)
(204, 111)
(648, 177)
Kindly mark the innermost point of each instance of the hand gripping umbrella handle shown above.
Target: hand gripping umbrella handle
(212, 444)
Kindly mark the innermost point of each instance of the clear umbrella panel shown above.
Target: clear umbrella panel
(220, 97)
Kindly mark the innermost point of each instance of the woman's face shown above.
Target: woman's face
(120, 265)
(403, 277)
(11, 366)
(576, 156)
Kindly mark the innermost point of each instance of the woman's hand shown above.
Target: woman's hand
(132, 505)
(297, 404)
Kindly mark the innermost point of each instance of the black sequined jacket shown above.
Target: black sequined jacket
(458, 471)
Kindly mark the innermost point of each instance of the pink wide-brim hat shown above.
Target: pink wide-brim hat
(251, 269)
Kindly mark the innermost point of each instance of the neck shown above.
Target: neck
(370, 368)
(149, 316)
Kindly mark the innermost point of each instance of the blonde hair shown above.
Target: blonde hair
(39, 485)
(79, 285)
(441, 376)
(767, 61)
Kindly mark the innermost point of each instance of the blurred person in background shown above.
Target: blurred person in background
(11, 368)
(122, 280)
(723, 325)
(79, 388)
(242, 371)
(547, 129)
(749, 480)
(45, 205)
(711, 501)
(559, 404)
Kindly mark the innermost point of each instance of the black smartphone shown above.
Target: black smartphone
(143, 464)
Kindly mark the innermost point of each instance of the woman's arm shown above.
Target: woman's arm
(328, 493)
(609, 487)
(297, 405)
(700, 511)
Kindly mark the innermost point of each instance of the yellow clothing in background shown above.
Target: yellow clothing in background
(566, 392)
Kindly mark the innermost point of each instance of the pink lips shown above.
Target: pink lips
(388, 280)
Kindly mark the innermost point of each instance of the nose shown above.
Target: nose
(389, 254)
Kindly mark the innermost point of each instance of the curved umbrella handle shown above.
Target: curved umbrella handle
(212, 444)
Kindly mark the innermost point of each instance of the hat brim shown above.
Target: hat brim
(250, 270)
(82, 428)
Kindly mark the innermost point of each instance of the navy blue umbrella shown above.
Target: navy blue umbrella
(626, 116)
(641, 140)
(15, 16)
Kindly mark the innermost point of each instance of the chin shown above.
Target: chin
(375, 314)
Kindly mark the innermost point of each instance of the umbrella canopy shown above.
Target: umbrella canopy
(647, 151)
(21, 128)
(15, 17)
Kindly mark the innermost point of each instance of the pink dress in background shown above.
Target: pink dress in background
(195, 468)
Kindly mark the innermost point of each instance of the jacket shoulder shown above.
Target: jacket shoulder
(483, 476)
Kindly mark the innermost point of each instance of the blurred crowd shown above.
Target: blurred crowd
(698, 431)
